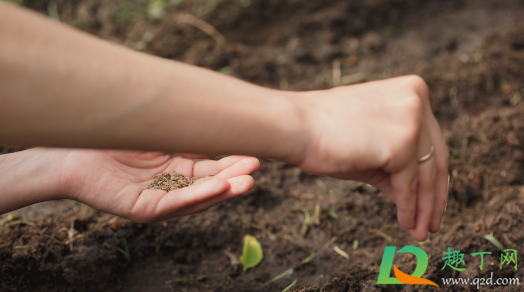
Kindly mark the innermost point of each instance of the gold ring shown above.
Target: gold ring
(427, 156)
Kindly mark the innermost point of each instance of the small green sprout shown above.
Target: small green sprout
(357, 186)
(317, 214)
(290, 286)
(494, 241)
(9, 218)
(125, 250)
(311, 256)
(341, 252)
(332, 214)
(305, 223)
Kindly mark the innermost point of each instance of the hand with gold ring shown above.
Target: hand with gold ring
(427, 156)
(383, 133)
(376, 132)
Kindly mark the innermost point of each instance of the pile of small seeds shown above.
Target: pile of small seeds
(169, 182)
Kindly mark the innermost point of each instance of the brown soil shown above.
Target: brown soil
(471, 53)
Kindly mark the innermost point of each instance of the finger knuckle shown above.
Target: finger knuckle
(406, 209)
(405, 196)
(412, 108)
(411, 121)
(409, 134)
(418, 84)
(415, 105)
(140, 218)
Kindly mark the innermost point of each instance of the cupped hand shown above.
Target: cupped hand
(116, 182)
(376, 132)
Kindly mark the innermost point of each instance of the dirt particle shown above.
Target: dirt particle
(350, 61)
(477, 182)
(116, 225)
(373, 42)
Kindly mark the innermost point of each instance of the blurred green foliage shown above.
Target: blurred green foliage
(29, 3)
(19, 2)
(132, 9)
(156, 9)
(33, 4)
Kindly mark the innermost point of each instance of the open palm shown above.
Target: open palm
(116, 182)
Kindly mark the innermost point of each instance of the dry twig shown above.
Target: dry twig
(203, 26)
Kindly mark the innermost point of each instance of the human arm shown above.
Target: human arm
(95, 94)
(116, 181)
(62, 87)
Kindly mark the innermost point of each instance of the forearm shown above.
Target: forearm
(61, 87)
(29, 177)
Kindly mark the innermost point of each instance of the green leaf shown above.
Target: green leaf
(252, 253)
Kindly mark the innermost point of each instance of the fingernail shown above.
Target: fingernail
(448, 182)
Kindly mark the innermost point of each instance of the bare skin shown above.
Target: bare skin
(116, 181)
(63, 88)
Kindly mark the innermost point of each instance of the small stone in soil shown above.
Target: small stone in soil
(169, 182)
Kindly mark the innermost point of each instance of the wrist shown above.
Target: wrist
(313, 119)
(31, 176)
(298, 135)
